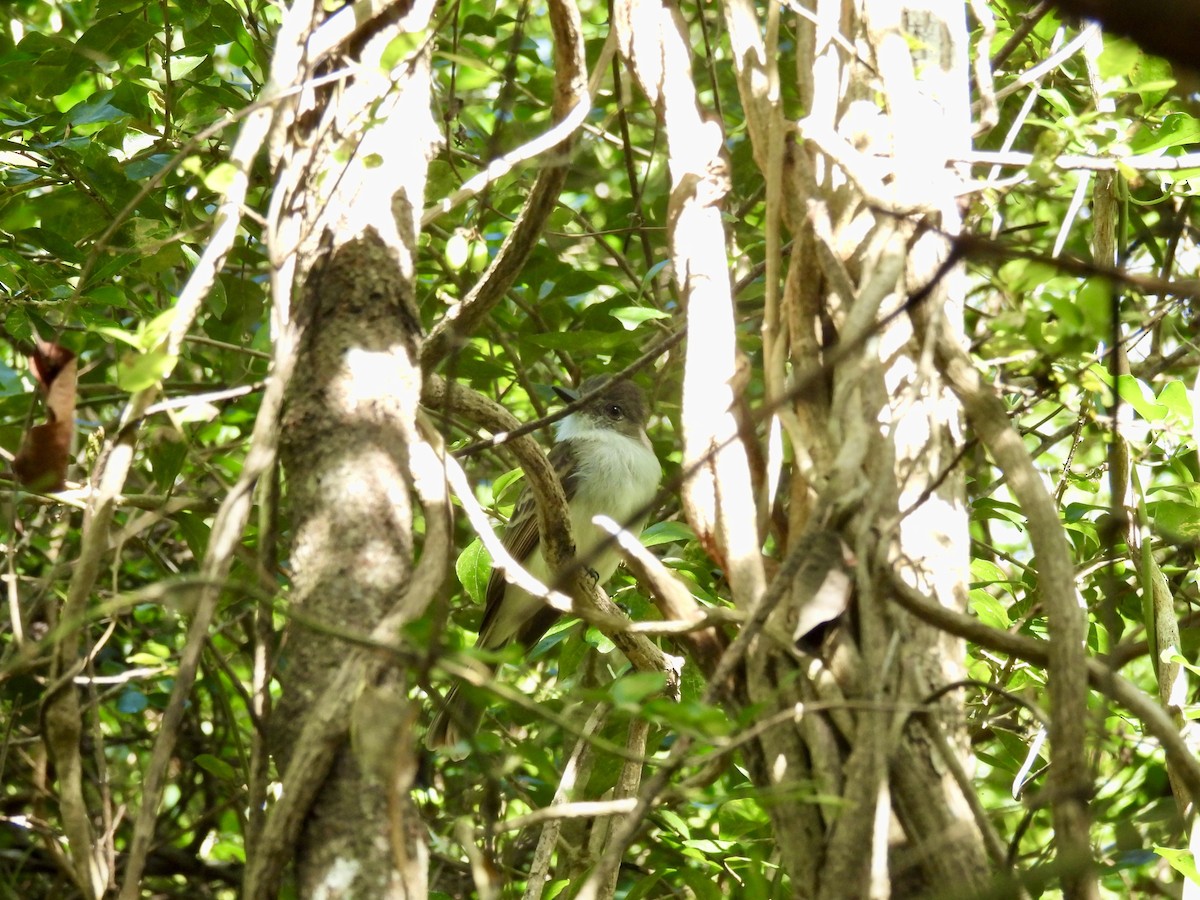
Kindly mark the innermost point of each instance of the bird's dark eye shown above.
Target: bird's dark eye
(614, 411)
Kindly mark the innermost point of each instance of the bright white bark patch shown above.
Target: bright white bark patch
(372, 376)
(337, 880)
(779, 768)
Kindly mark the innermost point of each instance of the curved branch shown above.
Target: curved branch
(554, 519)
(674, 601)
(1056, 583)
(570, 93)
(731, 658)
(1035, 651)
(554, 528)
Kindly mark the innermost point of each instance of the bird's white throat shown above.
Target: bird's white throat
(618, 473)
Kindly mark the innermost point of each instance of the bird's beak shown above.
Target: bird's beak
(567, 395)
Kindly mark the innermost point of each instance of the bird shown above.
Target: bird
(608, 467)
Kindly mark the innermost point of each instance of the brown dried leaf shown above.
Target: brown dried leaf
(824, 585)
(48, 360)
(41, 464)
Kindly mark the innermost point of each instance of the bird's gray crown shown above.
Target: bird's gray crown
(622, 405)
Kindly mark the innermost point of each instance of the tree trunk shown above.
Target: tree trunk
(352, 452)
(847, 348)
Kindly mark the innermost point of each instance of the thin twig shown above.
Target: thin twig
(571, 102)
(1033, 650)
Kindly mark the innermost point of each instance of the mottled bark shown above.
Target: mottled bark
(346, 438)
(353, 457)
(874, 427)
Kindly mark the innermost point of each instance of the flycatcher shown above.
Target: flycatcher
(607, 467)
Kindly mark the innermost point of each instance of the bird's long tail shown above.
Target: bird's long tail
(457, 717)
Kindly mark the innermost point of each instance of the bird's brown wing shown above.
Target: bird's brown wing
(521, 537)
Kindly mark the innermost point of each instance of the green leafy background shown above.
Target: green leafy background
(108, 182)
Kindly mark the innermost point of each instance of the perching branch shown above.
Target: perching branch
(673, 599)
(557, 539)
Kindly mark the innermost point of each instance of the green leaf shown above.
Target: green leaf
(755, 885)
(1057, 101)
(690, 715)
(1095, 306)
(667, 533)
(167, 456)
(147, 235)
(220, 178)
(10, 379)
(984, 571)
(989, 610)
(1068, 312)
(147, 166)
(94, 110)
(1182, 861)
(113, 36)
(182, 66)
(1176, 519)
(138, 371)
(1152, 78)
(1137, 394)
(1172, 655)
(474, 568)
(195, 531)
(701, 883)
(216, 766)
(1175, 397)
(1134, 392)
(53, 241)
(17, 324)
(1118, 57)
(117, 334)
(600, 641)
(1176, 129)
(998, 509)
(504, 488)
(400, 48)
(1024, 275)
(587, 341)
(631, 690)
(152, 332)
(633, 316)
(675, 822)
(1075, 512)
(645, 886)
